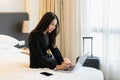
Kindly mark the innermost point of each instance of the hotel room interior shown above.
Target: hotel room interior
(98, 20)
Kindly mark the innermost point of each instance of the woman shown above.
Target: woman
(42, 39)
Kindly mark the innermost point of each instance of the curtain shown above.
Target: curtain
(32, 8)
(51, 6)
(69, 31)
(101, 20)
(66, 40)
(55, 6)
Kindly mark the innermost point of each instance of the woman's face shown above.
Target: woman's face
(52, 26)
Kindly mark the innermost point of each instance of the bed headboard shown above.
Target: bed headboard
(11, 24)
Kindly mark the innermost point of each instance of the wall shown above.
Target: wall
(12, 5)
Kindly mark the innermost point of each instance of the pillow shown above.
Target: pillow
(3, 45)
(7, 41)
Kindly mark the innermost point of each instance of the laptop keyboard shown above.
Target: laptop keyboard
(69, 69)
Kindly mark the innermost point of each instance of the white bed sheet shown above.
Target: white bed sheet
(16, 67)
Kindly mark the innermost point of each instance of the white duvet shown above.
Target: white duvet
(15, 66)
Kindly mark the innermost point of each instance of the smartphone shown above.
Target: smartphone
(46, 73)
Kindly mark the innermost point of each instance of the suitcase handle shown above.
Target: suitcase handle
(91, 38)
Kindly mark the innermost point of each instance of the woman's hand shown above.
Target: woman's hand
(62, 66)
(66, 64)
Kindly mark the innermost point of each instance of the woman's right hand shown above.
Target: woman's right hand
(62, 66)
(67, 61)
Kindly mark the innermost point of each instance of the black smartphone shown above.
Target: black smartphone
(46, 73)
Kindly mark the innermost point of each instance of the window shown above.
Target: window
(101, 20)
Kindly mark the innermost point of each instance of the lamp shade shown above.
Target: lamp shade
(27, 26)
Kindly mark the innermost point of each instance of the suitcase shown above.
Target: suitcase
(91, 61)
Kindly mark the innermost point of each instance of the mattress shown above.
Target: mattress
(14, 65)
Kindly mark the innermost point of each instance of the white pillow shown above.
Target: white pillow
(3, 45)
(7, 41)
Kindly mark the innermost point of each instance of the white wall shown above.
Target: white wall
(12, 5)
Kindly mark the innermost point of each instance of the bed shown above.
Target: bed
(14, 64)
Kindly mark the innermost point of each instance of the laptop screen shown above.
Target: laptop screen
(81, 61)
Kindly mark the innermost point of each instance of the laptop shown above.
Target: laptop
(78, 65)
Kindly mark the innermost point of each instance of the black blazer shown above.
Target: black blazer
(39, 58)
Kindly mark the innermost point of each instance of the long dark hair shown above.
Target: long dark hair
(44, 24)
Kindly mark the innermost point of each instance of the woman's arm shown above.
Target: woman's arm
(63, 63)
(56, 53)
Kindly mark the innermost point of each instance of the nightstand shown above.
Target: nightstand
(25, 50)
